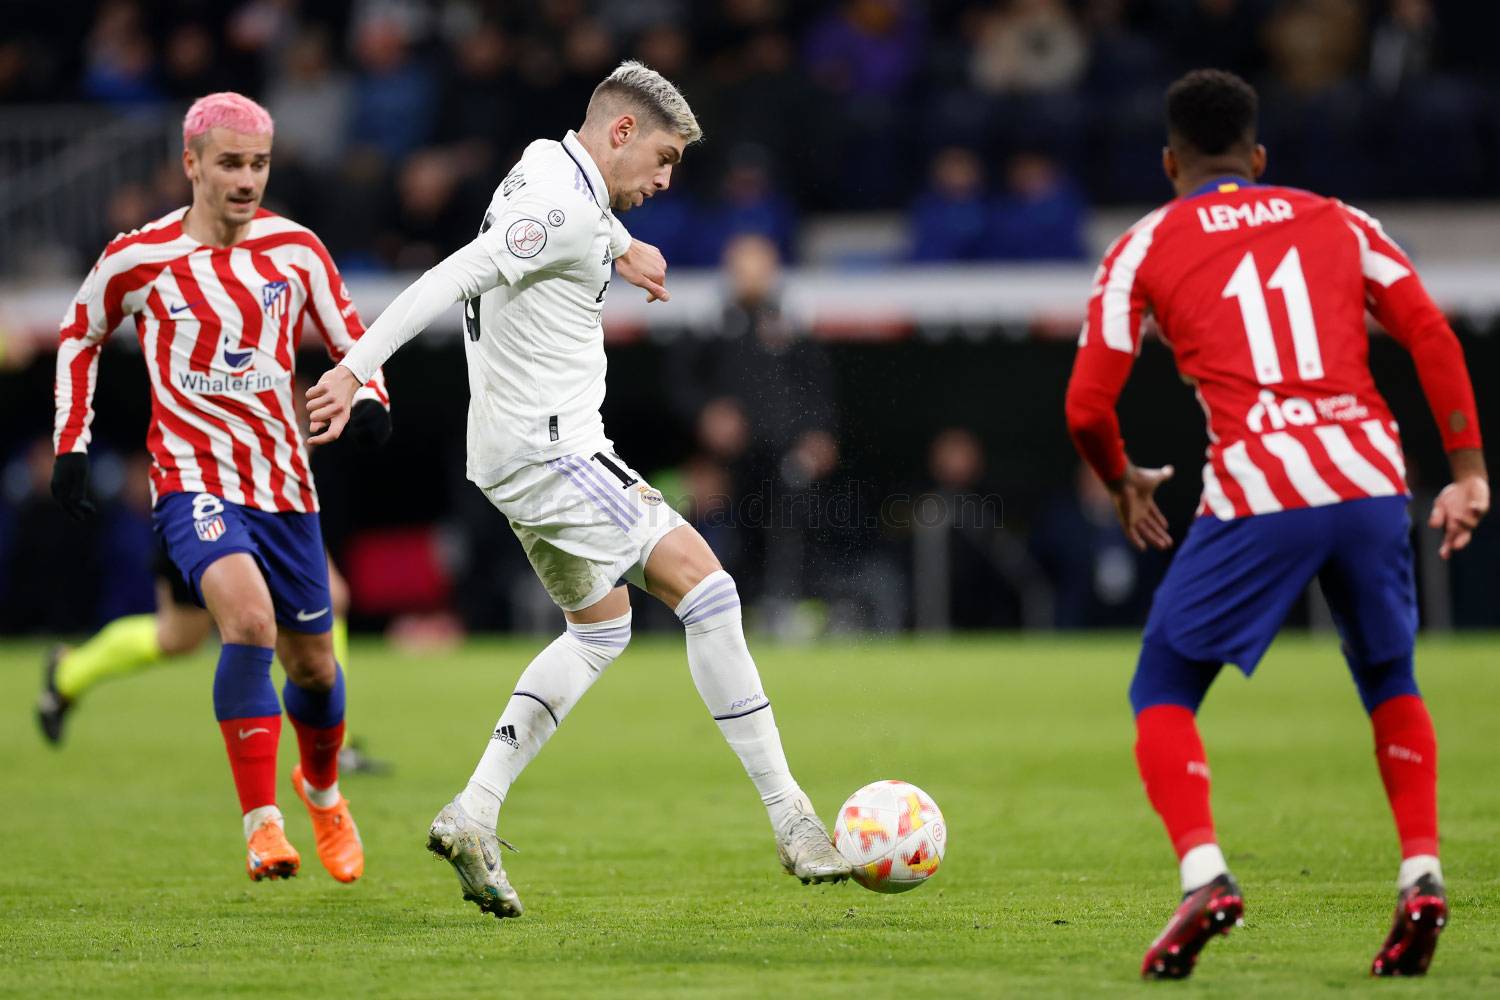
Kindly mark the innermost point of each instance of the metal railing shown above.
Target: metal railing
(59, 169)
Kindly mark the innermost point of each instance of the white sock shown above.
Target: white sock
(546, 692)
(1415, 867)
(1202, 865)
(729, 684)
(323, 798)
(261, 815)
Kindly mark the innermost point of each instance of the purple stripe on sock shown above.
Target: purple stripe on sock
(713, 593)
(589, 492)
(601, 636)
(699, 614)
(587, 468)
(615, 643)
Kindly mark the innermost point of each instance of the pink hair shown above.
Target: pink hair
(225, 109)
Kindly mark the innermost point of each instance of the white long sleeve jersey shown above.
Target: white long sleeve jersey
(533, 284)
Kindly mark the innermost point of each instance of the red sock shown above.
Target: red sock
(251, 743)
(1406, 750)
(320, 752)
(1175, 770)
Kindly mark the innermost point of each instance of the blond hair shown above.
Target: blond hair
(636, 86)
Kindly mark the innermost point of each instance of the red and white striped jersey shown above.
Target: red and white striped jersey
(219, 328)
(1261, 295)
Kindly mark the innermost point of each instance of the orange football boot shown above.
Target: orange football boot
(339, 846)
(271, 855)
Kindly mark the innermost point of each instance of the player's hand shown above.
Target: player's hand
(644, 266)
(1135, 503)
(70, 484)
(1458, 510)
(369, 425)
(328, 404)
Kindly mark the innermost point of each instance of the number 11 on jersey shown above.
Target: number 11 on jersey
(1244, 285)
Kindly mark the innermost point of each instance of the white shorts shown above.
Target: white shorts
(585, 521)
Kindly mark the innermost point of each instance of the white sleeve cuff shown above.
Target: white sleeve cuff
(619, 238)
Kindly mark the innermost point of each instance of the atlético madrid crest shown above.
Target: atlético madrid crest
(276, 298)
(209, 529)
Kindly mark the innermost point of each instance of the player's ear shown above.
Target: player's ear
(1257, 162)
(1169, 163)
(623, 129)
(189, 163)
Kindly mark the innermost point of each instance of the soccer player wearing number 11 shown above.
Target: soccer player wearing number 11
(1261, 293)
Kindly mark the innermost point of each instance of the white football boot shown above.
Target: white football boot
(806, 850)
(474, 853)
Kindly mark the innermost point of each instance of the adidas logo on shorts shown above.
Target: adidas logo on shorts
(507, 734)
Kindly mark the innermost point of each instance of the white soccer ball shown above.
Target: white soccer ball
(893, 834)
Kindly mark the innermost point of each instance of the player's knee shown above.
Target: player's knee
(680, 561)
(249, 626)
(310, 669)
(716, 596)
(601, 642)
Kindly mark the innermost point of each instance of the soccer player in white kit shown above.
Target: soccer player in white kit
(533, 284)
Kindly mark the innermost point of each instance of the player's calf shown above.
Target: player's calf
(729, 684)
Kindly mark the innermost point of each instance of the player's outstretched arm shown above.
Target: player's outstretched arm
(1463, 503)
(467, 272)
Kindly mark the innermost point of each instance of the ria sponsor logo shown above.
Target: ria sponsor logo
(211, 383)
(1275, 414)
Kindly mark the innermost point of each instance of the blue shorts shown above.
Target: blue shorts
(1230, 587)
(198, 528)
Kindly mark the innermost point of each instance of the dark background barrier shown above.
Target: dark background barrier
(838, 552)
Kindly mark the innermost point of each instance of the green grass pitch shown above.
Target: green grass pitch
(647, 866)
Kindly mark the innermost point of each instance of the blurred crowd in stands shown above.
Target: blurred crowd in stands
(993, 124)
(870, 487)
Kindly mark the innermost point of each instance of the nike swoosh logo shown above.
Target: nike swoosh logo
(174, 310)
(326, 746)
(307, 616)
(245, 734)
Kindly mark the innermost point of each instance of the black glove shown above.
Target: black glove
(70, 484)
(369, 425)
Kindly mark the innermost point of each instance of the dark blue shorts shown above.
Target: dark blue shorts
(1233, 582)
(196, 529)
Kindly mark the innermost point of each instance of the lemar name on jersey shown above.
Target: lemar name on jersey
(1225, 218)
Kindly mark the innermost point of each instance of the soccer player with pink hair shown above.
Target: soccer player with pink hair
(221, 293)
